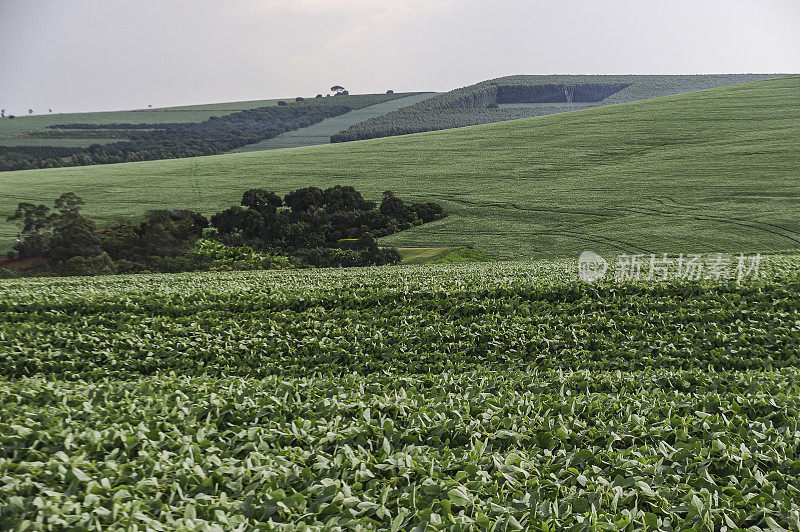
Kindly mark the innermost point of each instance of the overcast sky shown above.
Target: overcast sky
(83, 55)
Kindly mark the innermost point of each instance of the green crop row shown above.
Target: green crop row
(546, 451)
(265, 323)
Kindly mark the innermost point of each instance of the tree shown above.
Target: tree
(428, 212)
(100, 264)
(339, 198)
(30, 111)
(262, 201)
(120, 241)
(69, 203)
(393, 207)
(166, 233)
(34, 221)
(73, 236)
(304, 199)
(337, 88)
(2, 113)
(569, 92)
(234, 219)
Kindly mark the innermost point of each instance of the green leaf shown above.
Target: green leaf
(397, 522)
(459, 496)
(645, 488)
(773, 525)
(80, 475)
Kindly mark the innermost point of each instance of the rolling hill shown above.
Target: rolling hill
(514, 97)
(707, 171)
(54, 141)
(21, 125)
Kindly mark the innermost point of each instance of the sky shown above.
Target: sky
(88, 55)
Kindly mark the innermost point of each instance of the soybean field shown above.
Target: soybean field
(500, 396)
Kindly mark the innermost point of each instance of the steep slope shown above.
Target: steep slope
(706, 171)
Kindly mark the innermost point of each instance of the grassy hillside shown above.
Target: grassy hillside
(447, 255)
(707, 171)
(320, 133)
(190, 113)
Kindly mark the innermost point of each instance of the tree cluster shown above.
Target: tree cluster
(307, 227)
(29, 157)
(72, 244)
(417, 122)
(554, 93)
(308, 221)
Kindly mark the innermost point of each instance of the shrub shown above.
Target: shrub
(100, 264)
